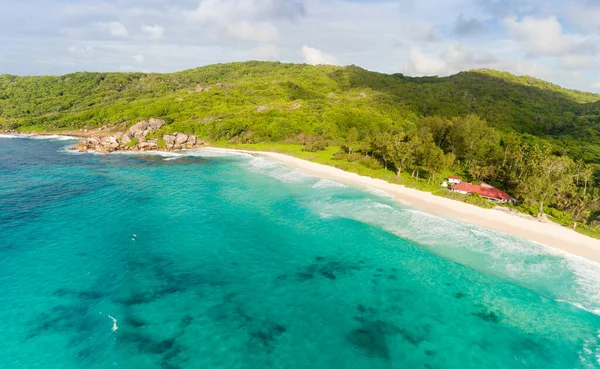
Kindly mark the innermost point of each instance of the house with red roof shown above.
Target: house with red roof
(486, 191)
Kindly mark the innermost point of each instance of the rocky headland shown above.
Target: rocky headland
(136, 139)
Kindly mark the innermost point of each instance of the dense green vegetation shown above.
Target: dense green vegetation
(535, 140)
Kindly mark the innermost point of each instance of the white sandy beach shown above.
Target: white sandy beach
(549, 234)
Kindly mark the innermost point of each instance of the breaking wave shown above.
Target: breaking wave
(326, 183)
(550, 272)
(275, 170)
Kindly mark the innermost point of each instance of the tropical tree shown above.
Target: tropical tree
(352, 139)
(545, 176)
(402, 152)
(380, 147)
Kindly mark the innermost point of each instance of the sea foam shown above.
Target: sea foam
(275, 170)
(52, 137)
(326, 183)
(528, 263)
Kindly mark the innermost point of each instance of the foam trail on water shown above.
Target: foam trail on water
(115, 326)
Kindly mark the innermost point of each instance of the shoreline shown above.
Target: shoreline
(548, 234)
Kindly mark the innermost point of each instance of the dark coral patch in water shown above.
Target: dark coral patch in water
(530, 347)
(133, 322)
(330, 270)
(267, 334)
(411, 337)
(371, 338)
(146, 344)
(488, 316)
(84, 295)
(459, 295)
(63, 318)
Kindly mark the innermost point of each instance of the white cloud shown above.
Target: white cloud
(467, 27)
(596, 85)
(580, 62)
(115, 29)
(585, 14)
(80, 50)
(255, 10)
(423, 65)
(246, 31)
(139, 58)
(458, 58)
(544, 36)
(155, 32)
(248, 20)
(451, 60)
(265, 52)
(315, 56)
(417, 30)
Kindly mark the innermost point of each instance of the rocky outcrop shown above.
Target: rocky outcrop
(224, 85)
(135, 139)
(142, 129)
(178, 141)
(295, 106)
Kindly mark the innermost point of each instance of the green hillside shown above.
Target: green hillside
(332, 100)
(535, 140)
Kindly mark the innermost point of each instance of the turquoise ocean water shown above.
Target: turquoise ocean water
(209, 260)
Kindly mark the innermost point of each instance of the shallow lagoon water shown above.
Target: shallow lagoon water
(208, 260)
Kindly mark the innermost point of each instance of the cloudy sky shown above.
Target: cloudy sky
(550, 39)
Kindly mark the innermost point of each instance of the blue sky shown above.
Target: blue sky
(553, 40)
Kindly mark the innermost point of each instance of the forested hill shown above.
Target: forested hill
(277, 101)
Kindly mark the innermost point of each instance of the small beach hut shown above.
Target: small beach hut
(454, 180)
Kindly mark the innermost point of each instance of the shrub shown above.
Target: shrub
(133, 142)
(313, 143)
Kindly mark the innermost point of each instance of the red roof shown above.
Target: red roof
(487, 192)
(455, 178)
